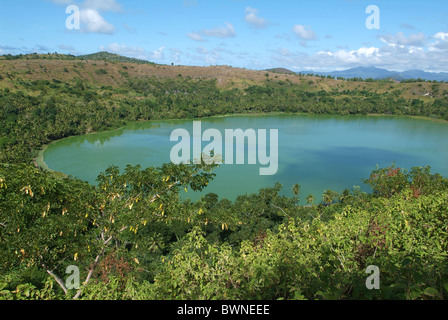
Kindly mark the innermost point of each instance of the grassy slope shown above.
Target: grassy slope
(68, 68)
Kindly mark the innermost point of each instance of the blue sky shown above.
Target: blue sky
(320, 35)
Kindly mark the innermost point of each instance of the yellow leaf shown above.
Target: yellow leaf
(75, 257)
(136, 261)
(27, 190)
(186, 190)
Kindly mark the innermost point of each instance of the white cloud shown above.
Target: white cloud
(399, 52)
(175, 55)
(157, 54)
(360, 55)
(134, 51)
(440, 43)
(124, 50)
(195, 36)
(304, 33)
(367, 52)
(441, 36)
(227, 31)
(415, 39)
(390, 56)
(254, 20)
(92, 21)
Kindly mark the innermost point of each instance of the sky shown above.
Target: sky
(317, 35)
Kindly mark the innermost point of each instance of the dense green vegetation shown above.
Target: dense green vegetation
(134, 238)
(43, 111)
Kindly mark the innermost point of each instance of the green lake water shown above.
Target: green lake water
(318, 152)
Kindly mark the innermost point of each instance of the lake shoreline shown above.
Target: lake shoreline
(40, 161)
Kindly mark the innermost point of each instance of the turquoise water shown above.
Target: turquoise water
(318, 152)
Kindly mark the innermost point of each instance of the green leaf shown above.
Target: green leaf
(432, 292)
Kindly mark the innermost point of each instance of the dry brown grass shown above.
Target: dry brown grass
(227, 77)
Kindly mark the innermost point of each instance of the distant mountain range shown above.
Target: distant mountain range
(377, 74)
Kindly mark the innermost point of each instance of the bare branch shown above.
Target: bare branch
(89, 275)
(280, 209)
(58, 279)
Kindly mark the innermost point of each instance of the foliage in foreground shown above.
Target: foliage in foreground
(263, 246)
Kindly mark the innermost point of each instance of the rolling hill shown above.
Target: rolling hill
(107, 69)
(107, 56)
(281, 70)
